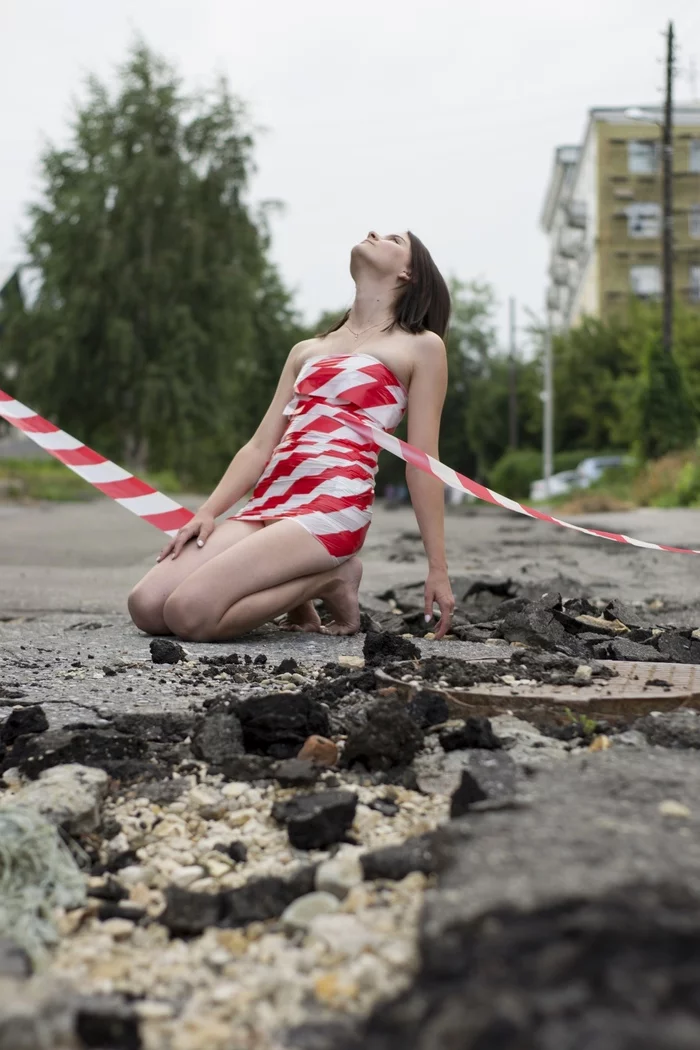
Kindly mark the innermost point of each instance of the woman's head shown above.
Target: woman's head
(401, 263)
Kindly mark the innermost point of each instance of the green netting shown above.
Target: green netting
(37, 874)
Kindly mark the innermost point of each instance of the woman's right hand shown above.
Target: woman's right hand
(201, 526)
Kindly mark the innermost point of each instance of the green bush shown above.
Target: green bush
(515, 471)
(570, 460)
(686, 491)
(167, 481)
(665, 416)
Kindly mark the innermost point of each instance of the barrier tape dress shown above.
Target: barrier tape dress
(322, 472)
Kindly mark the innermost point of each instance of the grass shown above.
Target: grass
(594, 503)
(588, 725)
(47, 479)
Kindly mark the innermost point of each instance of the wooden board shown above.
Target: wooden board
(618, 699)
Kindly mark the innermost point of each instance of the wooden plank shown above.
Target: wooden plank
(636, 690)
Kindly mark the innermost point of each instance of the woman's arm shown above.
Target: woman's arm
(426, 397)
(246, 466)
(250, 460)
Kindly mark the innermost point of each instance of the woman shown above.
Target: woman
(309, 468)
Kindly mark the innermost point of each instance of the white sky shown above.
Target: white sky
(436, 115)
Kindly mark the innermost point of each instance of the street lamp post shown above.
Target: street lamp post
(548, 400)
(668, 198)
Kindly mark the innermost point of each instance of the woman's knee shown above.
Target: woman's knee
(188, 618)
(146, 610)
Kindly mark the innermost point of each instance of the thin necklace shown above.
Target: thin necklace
(358, 334)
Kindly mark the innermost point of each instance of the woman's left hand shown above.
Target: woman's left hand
(438, 591)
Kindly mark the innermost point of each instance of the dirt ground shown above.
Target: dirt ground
(66, 570)
(83, 558)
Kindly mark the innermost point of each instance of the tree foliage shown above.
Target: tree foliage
(154, 326)
(667, 420)
(158, 321)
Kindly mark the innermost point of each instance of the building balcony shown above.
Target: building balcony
(553, 298)
(576, 214)
(570, 243)
(559, 272)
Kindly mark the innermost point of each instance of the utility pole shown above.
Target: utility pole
(512, 380)
(667, 193)
(548, 400)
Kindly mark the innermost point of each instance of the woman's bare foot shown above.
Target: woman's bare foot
(340, 598)
(302, 618)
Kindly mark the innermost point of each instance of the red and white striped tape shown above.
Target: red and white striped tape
(159, 510)
(130, 492)
(421, 460)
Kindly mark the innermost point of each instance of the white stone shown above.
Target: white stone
(300, 912)
(186, 874)
(118, 929)
(12, 777)
(70, 796)
(150, 1010)
(218, 868)
(201, 797)
(348, 660)
(525, 744)
(206, 885)
(670, 807)
(583, 673)
(339, 875)
(630, 738)
(344, 933)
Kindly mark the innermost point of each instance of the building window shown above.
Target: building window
(694, 221)
(694, 290)
(642, 155)
(645, 281)
(694, 164)
(644, 220)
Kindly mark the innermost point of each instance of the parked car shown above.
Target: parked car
(559, 484)
(592, 469)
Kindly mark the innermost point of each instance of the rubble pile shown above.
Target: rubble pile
(273, 866)
(537, 615)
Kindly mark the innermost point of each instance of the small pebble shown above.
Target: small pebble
(339, 875)
(346, 660)
(319, 750)
(118, 929)
(671, 808)
(150, 1010)
(300, 912)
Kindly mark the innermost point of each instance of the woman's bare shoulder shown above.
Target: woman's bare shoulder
(426, 350)
(429, 342)
(305, 349)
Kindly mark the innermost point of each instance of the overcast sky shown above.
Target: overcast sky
(436, 115)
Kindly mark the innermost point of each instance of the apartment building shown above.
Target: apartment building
(602, 214)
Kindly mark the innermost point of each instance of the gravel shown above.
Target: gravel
(227, 907)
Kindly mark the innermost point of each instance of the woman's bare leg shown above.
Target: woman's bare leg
(302, 618)
(148, 597)
(337, 588)
(209, 604)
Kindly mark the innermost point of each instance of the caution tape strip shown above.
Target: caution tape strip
(421, 460)
(130, 492)
(168, 516)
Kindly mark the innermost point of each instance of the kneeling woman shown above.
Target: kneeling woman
(299, 535)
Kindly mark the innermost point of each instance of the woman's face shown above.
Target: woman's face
(389, 255)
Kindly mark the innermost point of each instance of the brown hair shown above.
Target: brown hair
(425, 302)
